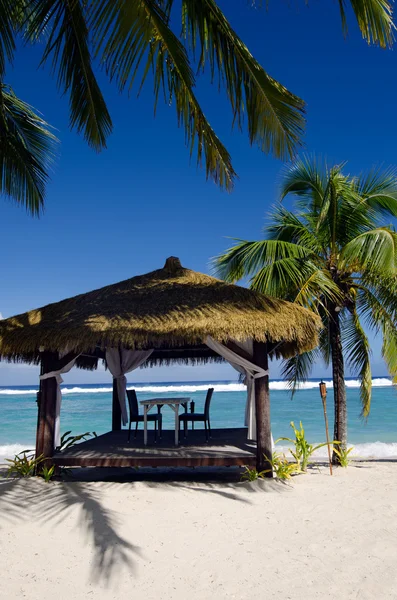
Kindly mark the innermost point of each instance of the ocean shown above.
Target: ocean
(88, 408)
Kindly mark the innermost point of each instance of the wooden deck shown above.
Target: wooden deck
(226, 447)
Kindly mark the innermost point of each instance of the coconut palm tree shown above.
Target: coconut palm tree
(130, 39)
(336, 256)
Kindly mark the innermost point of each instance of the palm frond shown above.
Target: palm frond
(354, 216)
(324, 338)
(328, 214)
(7, 32)
(318, 291)
(291, 227)
(246, 258)
(377, 298)
(299, 281)
(374, 18)
(134, 35)
(27, 149)
(389, 348)
(67, 45)
(307, 178)
(358, 349)
(274, 115)
(378, 189)
(375, 249)
(283, 277)
(298, 368)
(377, 303)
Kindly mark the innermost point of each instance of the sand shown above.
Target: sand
(318, 538)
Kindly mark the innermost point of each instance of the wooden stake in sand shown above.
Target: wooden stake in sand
(323, 394)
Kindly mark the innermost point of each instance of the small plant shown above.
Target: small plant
(68, 440)
(47, 473)
(24, 464)
(303, 450)
(281, 467)
(250, 475)
(343, 455)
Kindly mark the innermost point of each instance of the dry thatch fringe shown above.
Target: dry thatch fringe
(172, 306)
(194, 361)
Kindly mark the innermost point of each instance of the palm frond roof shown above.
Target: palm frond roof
(172, 307)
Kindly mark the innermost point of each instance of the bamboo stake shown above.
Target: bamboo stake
(323, 394)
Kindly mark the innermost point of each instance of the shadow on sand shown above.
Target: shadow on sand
(34, 500)
(221, 481)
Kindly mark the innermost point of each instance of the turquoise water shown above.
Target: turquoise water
(88, 408)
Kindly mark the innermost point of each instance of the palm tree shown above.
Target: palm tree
(129, 39)
(335, 256)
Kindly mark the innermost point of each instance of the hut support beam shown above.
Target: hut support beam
(262, 406)
(116, 410)
(47, 407)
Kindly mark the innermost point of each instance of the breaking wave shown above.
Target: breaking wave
(360, 451)
(379, 450)
(10, 450)
(163, 388)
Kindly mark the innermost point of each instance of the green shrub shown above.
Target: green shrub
(343, 456)
(281, 467)
(24, 464)
(47, 473)
(68, 440)
(250, 474)
(303, 450)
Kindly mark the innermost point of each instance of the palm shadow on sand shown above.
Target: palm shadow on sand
(34, 500)
(24, 500)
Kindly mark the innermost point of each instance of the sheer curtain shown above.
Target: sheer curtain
(58, 376)
(121, 361)
(249, 369)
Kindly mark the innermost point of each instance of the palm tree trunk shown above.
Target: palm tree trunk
(338, 376)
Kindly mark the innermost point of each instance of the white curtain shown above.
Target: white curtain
(247, 368)
(58, 377)
(120, 362)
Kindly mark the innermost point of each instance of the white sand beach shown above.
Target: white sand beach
(318, 538)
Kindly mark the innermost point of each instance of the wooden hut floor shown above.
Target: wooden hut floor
(226, 447)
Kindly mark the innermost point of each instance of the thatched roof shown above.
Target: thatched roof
(172, 307)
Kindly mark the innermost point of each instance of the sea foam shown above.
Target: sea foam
(10, 450)
(277, 385)
(379, 450)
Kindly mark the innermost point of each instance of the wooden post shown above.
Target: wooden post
(49, 392)
(116, 410)
(47, 407)
(323, 394)
(262, 405)
(40, 417)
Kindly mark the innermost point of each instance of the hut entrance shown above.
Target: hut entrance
(218, 447)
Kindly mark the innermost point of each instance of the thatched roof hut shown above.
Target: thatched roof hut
(170, 309)
(171, 314)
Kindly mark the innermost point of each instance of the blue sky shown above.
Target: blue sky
(122, 212)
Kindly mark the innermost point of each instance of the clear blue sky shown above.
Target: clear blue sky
(114, 215)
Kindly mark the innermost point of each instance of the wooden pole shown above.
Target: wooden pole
(262, 405)
(40, 416)
(48, 397)
(323, 394)
(50, 394)
(116, 410)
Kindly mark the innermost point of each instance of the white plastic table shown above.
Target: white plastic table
(173, 403)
